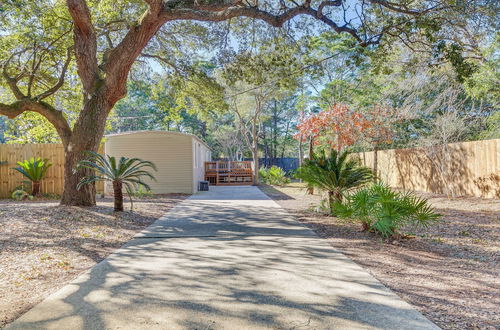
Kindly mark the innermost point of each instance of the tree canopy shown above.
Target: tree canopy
(71, 61)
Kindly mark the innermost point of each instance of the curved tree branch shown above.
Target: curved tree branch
(12, 82)
(55, 117)
(60, 81)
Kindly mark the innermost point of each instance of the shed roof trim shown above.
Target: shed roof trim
(158, 132)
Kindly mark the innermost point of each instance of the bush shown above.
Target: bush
(335, 173)
(21, 195)
(22, 192)
(385, 211)
(34, 169)
(274, 175)
(142, 192)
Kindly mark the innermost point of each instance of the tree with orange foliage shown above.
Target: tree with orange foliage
(340, 127)
(337, 127)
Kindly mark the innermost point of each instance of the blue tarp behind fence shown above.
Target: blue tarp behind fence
(288, 164)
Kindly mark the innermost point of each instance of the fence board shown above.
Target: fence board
(460, 169)
(53, 183)
(467, 168)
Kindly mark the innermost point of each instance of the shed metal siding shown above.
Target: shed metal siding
(201, 154)
(171, 153)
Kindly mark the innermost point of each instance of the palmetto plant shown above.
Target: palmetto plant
(385, 211)
(125, 173)
(334, 173)
(34, 169)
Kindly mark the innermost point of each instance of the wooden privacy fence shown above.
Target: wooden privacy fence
(10, 154)
(457, 169)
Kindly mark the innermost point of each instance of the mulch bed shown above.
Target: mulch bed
(43, 245)
(449, 272)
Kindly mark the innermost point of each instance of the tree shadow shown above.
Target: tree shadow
(455, 170)
(225, 263)
(275, 193)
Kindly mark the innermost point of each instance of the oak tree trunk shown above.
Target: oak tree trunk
(87, 136)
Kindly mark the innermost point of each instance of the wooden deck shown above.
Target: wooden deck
(224, 173)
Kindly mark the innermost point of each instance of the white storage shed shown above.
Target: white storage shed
(179, 157)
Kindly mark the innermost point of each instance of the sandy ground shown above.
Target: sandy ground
(43, 245)
(449, 272)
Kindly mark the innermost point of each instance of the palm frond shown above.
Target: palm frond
(127, 171)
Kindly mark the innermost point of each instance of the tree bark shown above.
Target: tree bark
(330, 201)
(310, 190)
(375, 163)
(87, 136)
(35, 189)
(118, 194)
(255, 154)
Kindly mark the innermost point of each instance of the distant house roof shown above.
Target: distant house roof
(158, 132)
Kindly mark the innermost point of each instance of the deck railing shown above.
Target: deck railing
(229, 173)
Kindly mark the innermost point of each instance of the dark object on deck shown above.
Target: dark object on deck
(203, 186)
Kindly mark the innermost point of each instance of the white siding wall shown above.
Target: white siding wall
(201, 154)
(171, 153)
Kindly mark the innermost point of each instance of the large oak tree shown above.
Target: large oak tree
(103, 74)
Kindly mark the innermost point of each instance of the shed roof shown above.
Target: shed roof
(158, 132)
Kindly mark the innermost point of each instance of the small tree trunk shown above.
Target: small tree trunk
(375, 163)
(330, 201)
(301, 153)
(310, 190)
(35, 188)
(118, 193)
(255, 154)
(338, 197)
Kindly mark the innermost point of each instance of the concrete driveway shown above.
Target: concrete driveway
(230, 258)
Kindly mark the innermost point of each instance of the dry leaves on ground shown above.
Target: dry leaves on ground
(43, 245)
(449, 272)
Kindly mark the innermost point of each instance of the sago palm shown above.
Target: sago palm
(385, 211)
(334, 173)
(34, 169)
(125, 173)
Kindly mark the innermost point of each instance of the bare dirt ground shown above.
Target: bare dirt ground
(43, 245)
(448, 272)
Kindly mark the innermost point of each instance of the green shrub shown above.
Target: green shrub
(21, 194)
(334, 173)
(142, 192)
(274, 175)
(385, 211)
(34, 169)
(263, 174)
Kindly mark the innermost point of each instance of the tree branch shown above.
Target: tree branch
(85, 44)
(12, 82)
(60, 81)
(404, 9)
(324, 4)
(123, 56)
(55, 117)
